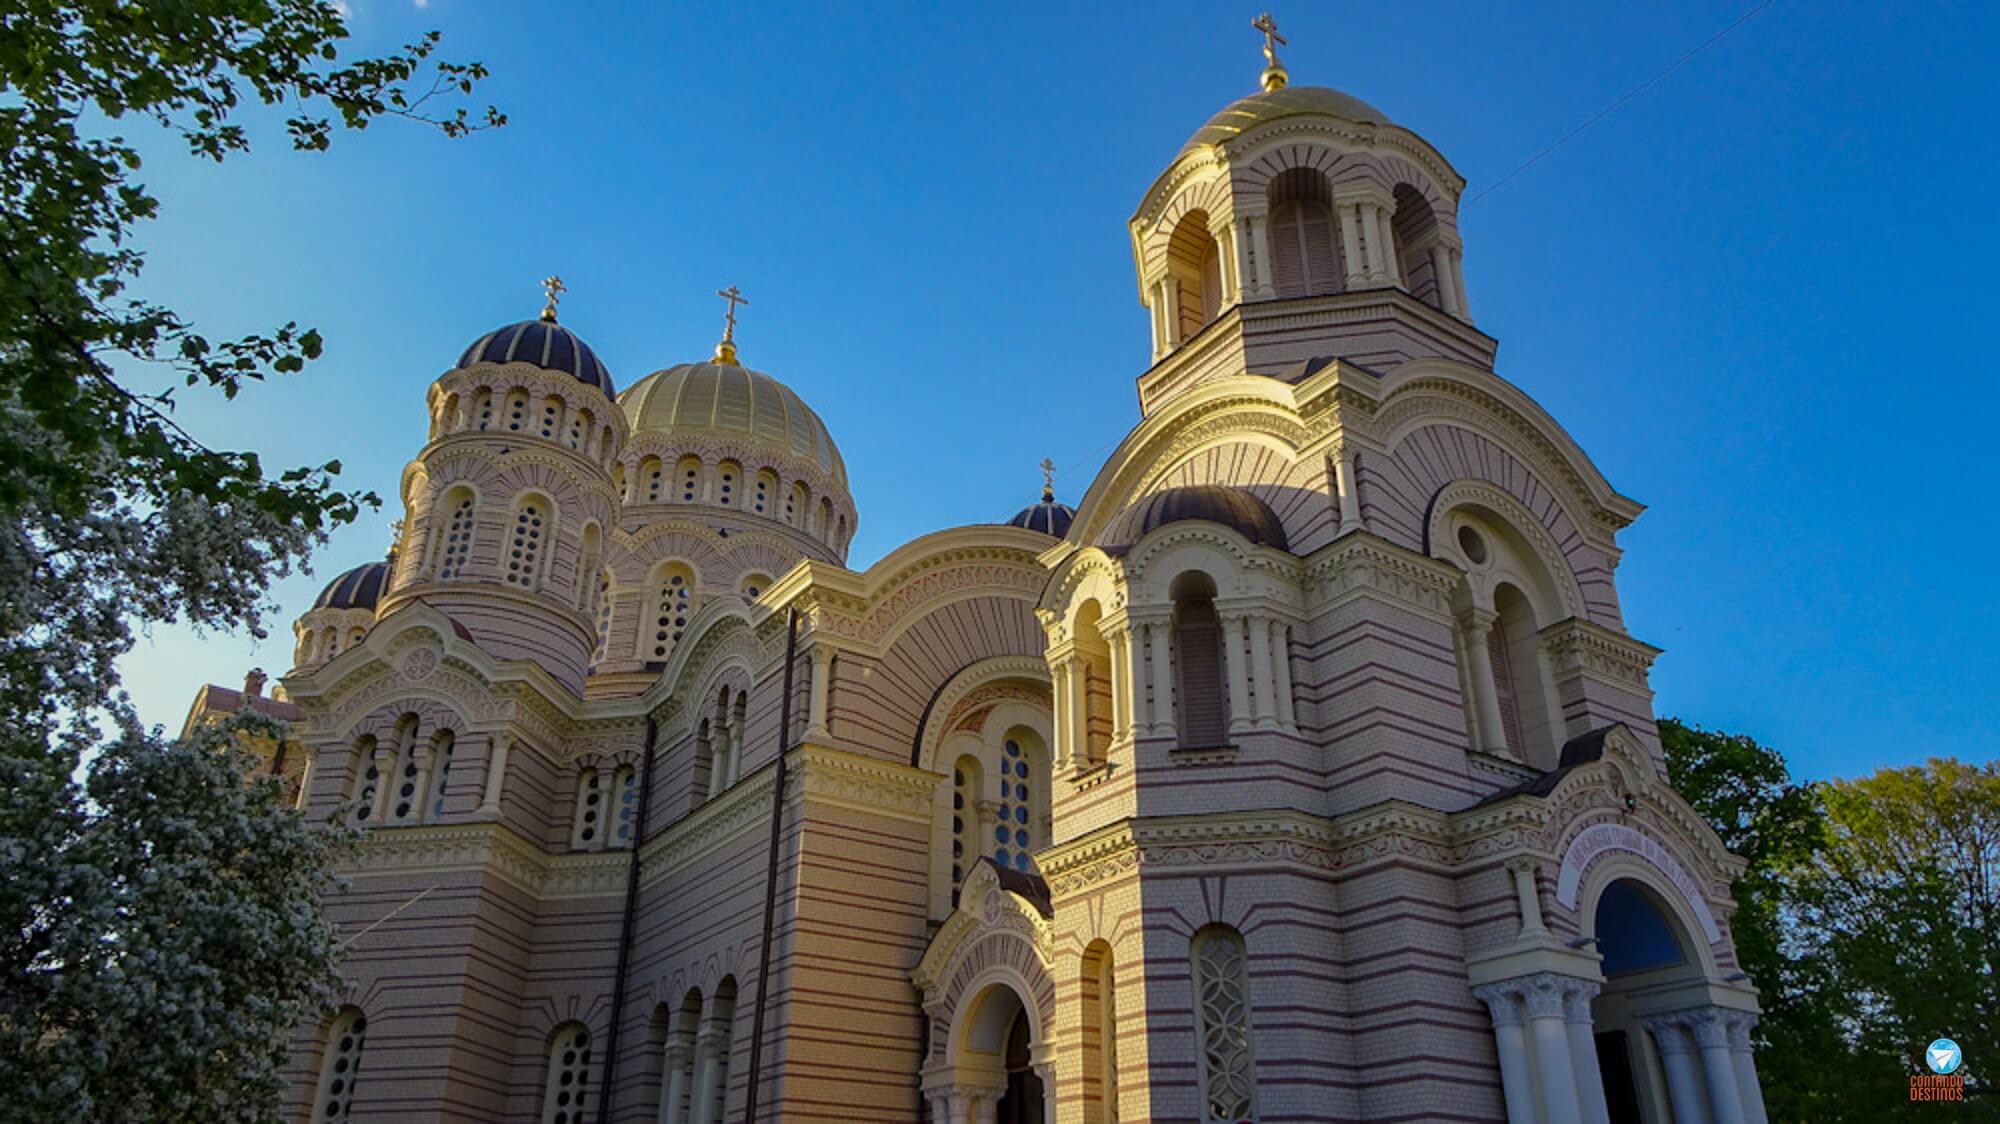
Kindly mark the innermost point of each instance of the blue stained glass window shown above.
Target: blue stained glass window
(1024, 863)
(1000, 835)
(1013, 749)
(1021, 838)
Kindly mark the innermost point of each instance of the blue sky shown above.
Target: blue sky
(1753, 293)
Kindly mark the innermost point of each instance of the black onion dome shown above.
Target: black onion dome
(547, 345)
(358, 588)
(1210, 503)
(1048, 516)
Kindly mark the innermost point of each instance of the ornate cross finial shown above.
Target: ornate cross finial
(553, 286)
(725, 352)
(1048, 480)
(1275, 76)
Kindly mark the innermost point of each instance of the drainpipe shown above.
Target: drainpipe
(771, 872)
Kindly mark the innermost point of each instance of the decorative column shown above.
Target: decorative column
(1523, 871)
(1079, 713)
(1232, 284)
(1350, 244)
(1711, 1038)
(1065, 747)
(673, 1093)
(1348, 482)
(1163, 679)
(1547, 1025)
(1748, 1089)
(822, 684)
(386, 779)
(1458, 284)
(1260, 667)
(1441, 274)
(1239, 680)
(1281, 662)
(1170, 306)
(1510, 1040)
(1132, 645)
(1678, 1060)
(707, 1068)
(496, 775)
(1583, 1051)
(1260, 244)
(1489, 726)
(1121, 685)
(1385, 222)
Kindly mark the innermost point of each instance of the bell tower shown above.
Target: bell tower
(1300, 225)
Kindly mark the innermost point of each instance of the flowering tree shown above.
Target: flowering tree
(162, 921)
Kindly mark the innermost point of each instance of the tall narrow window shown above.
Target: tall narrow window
(1013, 842)
(767, 491)
(335, 1097)
(455, 548)
(624, 806)
(722, 1024)
(408, 779)
(1203, 719)
(727, 476)
(441, 750)
(673, 600)
(1222, 1027)
(588, 832)
(368, 778)
(579, 424)
(603, 615)
(527, 542)
(1100, 1036)
(586, 584)
(677, 1095)
(965, 778)
(651, 483)
(552, 409)
(482, 406)
(517, 411)
(569, 1075)
(689, 474)
(1305, 259)
(797, 503)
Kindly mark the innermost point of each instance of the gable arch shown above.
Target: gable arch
(1557, 582)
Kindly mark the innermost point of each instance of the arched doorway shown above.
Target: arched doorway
(1022, 1102)
(1649, 964)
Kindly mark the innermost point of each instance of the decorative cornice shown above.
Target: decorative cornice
(1578, 646)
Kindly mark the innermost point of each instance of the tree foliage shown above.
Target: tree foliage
(161, 939)
(163, 929)
(1866, 919)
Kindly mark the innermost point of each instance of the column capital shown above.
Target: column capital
(1477, 618)
(1738, 1025)
(1576, 1000)
(1503, 1000)
(1669, 1031)
(1544, 993)
(678, 1049)
(1709, 1028)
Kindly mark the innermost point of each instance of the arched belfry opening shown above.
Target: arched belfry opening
(1305, 243)
(1194, 263)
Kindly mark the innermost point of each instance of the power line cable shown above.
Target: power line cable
(1613, 107)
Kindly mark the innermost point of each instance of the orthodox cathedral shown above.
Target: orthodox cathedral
(1302, 771)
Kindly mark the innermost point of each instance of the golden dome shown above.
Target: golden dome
(731, 401)
(1244, 114)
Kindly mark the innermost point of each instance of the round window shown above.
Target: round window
(1473, 545)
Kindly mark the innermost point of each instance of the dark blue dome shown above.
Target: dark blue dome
(358, 588)
(1048, 516)
(547, 345)
(1212, 503)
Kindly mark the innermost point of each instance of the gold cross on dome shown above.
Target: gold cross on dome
(1274, 71)
(735, 297)
(553, 286)
(1048, 479)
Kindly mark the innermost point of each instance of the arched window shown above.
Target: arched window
(482, 408)
(652, 478)
(332, 642)
(444, 421)
(766, 491)
(569, 1075)
(341, 1067)
(354, 636)
(1222, 1026)
(1092, 655)
(755, 584)
(580, 423)
(673, 603)
(603, 614)
(442, 745)
(1200, 697)
(840, 533)
(677, 1076)
(1100, 1036)
(534, 520)
(797, 503)
(624, 806)
(824, 525)
(367, 778)
(1194, 267)
(1305, 244)
(722, 1026)
(454, 547)
(552, 409)
(409, 774)
(588, 832)
(966, 777)
(587, 586)
(1514, 647)
(1414, 227)
(728, 474)
(517, 410)
(689, 475)
(1016, 826)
